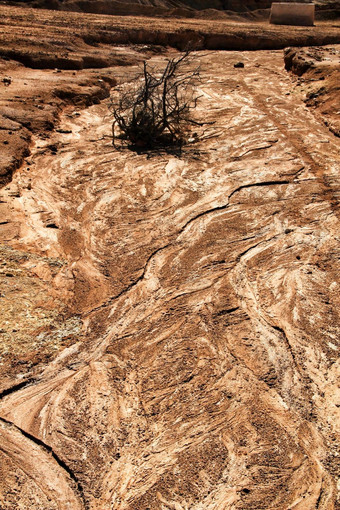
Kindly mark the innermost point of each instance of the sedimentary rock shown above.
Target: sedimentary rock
(204, 372)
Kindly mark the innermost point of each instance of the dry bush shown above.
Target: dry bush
(154, 110)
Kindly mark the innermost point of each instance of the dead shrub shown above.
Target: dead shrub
(154, 110)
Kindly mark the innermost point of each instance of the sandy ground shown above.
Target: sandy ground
(170, 329)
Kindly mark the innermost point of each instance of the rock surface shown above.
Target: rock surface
(31, 101)
(319, 72)
(37, 82)
(196, 363)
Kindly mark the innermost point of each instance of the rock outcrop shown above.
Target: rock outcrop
(191, 335)
(319, 77)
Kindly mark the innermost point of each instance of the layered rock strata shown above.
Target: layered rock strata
(204, 375)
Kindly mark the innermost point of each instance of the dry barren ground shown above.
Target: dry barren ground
(77, 58)
(170, 326)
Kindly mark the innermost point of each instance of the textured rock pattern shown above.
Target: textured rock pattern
(77, 62)
(319, 72)
(208, 287)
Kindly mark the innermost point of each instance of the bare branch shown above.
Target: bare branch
(156, 111)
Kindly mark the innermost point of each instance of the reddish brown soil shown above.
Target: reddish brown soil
(169, 330)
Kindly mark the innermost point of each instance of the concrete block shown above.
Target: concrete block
(291, 13)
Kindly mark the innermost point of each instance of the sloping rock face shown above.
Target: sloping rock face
(31, 103)
(204, 372)
(319, 72)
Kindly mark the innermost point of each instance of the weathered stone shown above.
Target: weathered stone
(174, 342)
